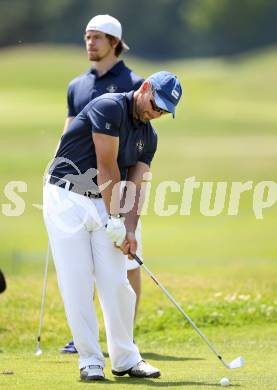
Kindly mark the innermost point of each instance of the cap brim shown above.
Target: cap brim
(125, 46)
(164, 103)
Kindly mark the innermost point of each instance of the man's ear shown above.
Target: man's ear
(145, 86)
(115, 42)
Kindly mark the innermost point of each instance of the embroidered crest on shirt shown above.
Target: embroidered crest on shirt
(140, 145)
(112, 88)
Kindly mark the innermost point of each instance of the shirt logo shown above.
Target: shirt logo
(140, 145)
(175, 93)
(112, 88)
(108, 126)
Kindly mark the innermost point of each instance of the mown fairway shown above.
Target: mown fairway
(222, 269)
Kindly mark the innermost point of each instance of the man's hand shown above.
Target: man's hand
(116, 230)
(129, 245)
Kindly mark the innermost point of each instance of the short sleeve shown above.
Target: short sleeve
(137, 84)
(149, 152)
(70, 103)
(105, 115)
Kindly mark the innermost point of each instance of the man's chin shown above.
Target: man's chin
(93, 57)
(144, 118)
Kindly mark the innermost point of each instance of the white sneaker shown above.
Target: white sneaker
(140, 370)
(92, 373)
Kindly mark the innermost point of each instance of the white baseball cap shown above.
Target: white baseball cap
(108, 25)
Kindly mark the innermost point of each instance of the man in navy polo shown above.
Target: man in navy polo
(104, 45)
(109, 141)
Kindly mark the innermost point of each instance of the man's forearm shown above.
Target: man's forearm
(111, 193)
(132, 216)
(135, 177)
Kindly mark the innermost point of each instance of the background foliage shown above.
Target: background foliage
(154, 29)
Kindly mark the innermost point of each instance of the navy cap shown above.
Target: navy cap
(167, 90)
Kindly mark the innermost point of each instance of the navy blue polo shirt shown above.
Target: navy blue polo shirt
(110, 114)
(88, 86)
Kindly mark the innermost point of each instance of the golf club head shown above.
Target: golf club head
(38, 351)
(237, 363)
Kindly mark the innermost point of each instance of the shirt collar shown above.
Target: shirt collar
(115, 70)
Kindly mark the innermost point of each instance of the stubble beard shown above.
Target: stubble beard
(94, 57)
(139, 112)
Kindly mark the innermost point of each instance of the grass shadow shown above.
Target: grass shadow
(156, 356)
(154, 382)
(160, 383)
(160, 357)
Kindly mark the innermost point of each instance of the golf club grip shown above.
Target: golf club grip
(135, 257)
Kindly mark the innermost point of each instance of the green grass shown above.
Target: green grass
(221, 269)
(162, 334)
(188, 365)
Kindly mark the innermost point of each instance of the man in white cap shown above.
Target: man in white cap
(104, 45)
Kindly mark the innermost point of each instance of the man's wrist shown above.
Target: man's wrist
(131, 232)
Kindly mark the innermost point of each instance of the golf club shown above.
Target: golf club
(236, 363)
(38, 349)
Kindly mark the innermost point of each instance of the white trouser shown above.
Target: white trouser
(83, 254)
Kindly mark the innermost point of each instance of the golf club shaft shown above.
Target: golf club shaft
(43, 292)
(180, 309)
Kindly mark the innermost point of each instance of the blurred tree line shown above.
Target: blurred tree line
(152, 28)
